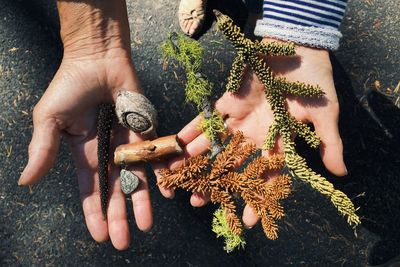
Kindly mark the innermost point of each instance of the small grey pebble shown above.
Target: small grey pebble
(129, 181)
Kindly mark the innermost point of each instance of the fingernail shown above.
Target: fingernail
(19, 180)
(345, 170)
(248, 227)
(147, 230)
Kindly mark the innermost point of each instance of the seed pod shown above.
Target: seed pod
(135, 112)
(103, 151)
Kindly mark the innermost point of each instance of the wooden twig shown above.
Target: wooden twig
(147, 150)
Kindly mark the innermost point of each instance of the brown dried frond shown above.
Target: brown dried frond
(191, 169)
(222, 164)
(172, 180)
(231, 181)
(264, 207)
(234, 153)
(223, 182)
(255, 168)
(279, 188)
(275, 209)
(253, 200)
(235, 141)
(199, 184)
(194, 165)
(244, 151)
(234, 222)
(270, 227)
(224, 198)
(275, 162)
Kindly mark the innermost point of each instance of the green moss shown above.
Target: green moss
(186, 51)
(221, 228)
(197, 89)
(212, 126)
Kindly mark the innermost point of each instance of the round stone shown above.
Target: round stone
(129, 181)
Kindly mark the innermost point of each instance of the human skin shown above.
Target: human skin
(96, 64)
(249, 112)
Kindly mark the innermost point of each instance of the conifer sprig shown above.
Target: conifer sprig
(284, 125)
(189, 54)
(221, 177)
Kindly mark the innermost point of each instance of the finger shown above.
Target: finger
(198, 146)
(141, 201)
(224, 104)
(190, 131)
(331, 148)
(43, 149)
(277, 149)
(90, 197)
(199, 199)
(117, 220)
(157, 167)
(249, 218)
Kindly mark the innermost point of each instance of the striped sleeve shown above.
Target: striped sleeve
(307, 22)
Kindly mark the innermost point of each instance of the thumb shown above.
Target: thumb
(43, 149)
(331, 148)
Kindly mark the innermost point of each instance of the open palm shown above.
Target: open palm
(249, 112)
(69, 107)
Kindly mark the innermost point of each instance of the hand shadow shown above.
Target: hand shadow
(372, 158)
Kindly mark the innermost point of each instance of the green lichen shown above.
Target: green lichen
(186, 51)
(221, 228)
(197, 89)
(189, 54)
(212, 126)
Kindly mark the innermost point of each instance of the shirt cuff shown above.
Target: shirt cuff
(326, 38)
(307, 22)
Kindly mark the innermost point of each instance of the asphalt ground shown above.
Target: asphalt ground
(44, 226)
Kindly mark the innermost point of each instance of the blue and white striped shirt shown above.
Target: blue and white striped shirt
(308, 22)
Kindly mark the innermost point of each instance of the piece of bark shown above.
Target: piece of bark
(147, 150)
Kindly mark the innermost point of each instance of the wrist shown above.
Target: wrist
(301, 49)
(94, 28)
(306, 58)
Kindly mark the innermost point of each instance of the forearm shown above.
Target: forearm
(310, 23)
(98, 28)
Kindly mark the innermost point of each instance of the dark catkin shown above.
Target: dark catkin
(104, 124)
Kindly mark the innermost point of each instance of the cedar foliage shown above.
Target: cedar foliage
(284, 125)
(189, 54)
(220, 176)
(217, 172)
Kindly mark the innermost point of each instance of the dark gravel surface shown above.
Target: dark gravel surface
(44, 226)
